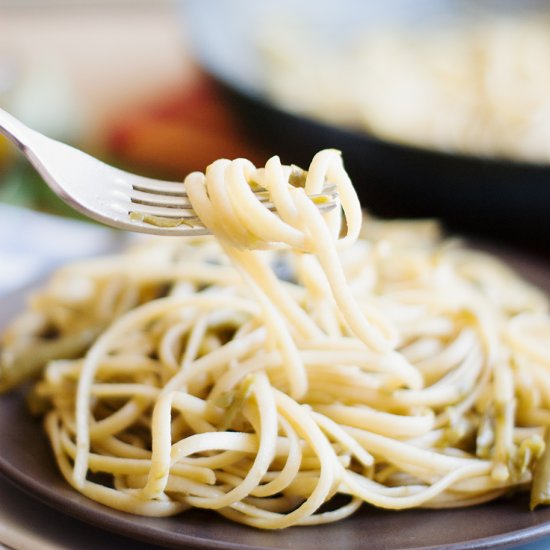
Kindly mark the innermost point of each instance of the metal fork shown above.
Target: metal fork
(113, 196)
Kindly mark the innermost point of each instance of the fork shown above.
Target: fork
(115, 197)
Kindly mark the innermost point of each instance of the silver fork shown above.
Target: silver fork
(113, 196)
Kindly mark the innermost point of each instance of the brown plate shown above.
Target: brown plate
(25, 458)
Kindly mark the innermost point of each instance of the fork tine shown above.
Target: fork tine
(157, 187)
(164, 211)
(155, 199)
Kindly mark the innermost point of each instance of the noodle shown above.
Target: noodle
(292, 366)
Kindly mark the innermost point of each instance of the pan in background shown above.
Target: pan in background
(506, 200)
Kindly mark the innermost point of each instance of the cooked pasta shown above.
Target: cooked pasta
(292, 366)
(476, 85)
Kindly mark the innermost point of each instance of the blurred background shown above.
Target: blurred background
(115, 78)
(441, 108)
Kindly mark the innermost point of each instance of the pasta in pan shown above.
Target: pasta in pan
(473, 85)
(291, 367)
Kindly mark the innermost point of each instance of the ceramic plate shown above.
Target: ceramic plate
(26, 460)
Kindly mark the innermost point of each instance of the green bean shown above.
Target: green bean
(540, 488)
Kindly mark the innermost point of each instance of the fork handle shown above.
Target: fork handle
(15, 130)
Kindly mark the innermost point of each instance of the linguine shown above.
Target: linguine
(291, 367)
